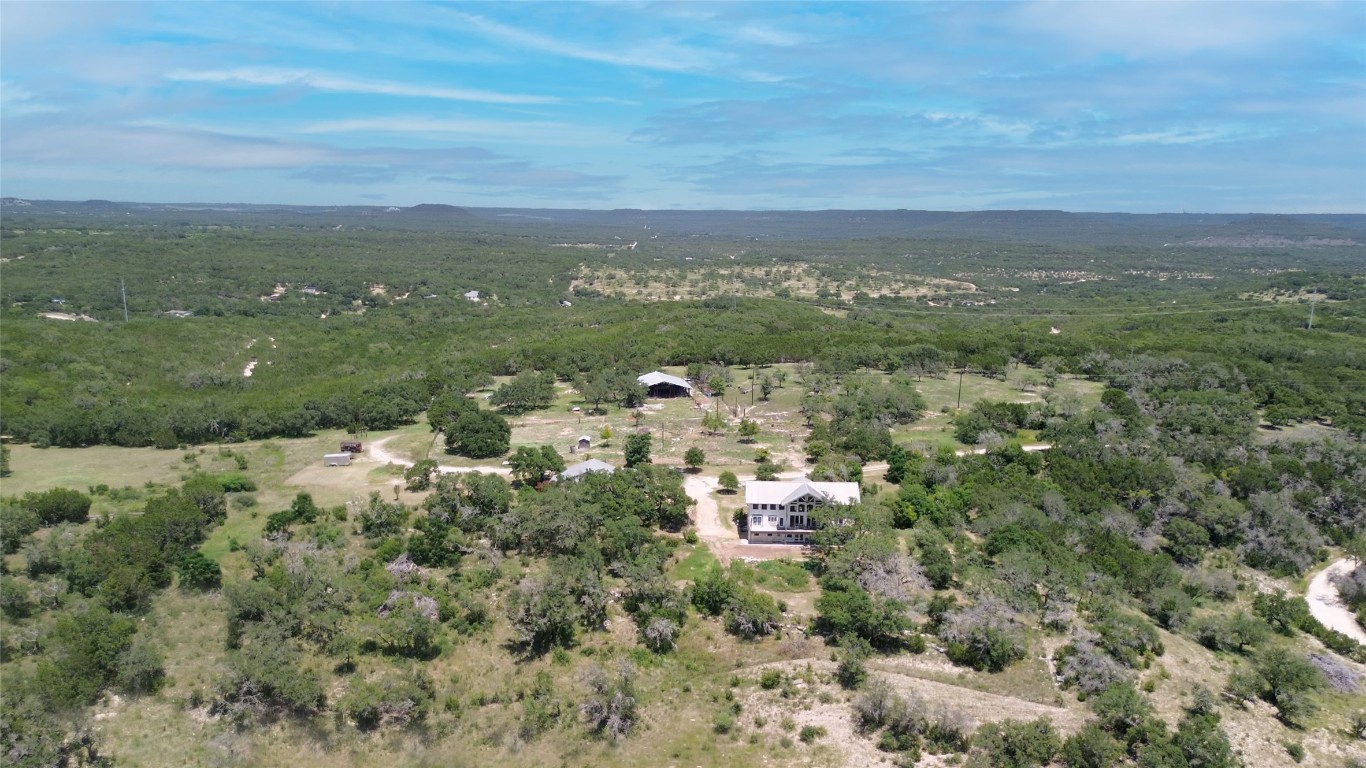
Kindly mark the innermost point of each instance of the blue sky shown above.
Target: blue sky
(1142, 107)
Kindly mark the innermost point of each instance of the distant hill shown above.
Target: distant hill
(1040, 227)
(432, 210)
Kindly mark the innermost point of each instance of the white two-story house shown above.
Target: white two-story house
(780, 512)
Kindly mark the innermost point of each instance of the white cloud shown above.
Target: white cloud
(322, 81)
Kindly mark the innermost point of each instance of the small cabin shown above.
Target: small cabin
(351, 446)
(336, 459)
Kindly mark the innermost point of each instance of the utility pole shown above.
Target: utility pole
(1312, 302)
(961, 371)
(124, 292)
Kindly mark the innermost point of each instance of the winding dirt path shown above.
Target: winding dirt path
(1325, 606)
(378, 451)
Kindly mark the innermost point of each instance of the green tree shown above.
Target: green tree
(766, 384)
(380, 519)
(713, 423)
(528, 391)
(637, 449)
(595, 389)
(531, 466)
(446, 407)
(5, 470)
(899, 462)
(83, 653)
(419, 475)
(845, 608)
(17, 521)
(748, 429)
(751, 614)
(728, 481)
(479, 435)
(58, 505)
(198, 572)
(1186, 541)
(1287, 679)
(694, 458)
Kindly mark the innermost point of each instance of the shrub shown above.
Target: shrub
(1240, 632)
(198, 572)
(1120, 709)
(751, 614)
(541, 711)
(1091, 747)
(1128, 638)
(1082, 664)
(770, 679)
(1014, 744)
(810, 733)
(982, 637)
(853, 654)
(610, 708)
(58, 505)
(392, 701)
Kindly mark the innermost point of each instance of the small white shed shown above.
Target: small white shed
(336, 459)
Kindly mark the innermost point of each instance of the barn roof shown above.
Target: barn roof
(659, 377)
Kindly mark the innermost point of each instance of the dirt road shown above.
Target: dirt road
(379, 452)
(1327, 608)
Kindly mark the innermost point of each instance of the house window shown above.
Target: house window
(773, 518)
(797, 520)
(756, 519)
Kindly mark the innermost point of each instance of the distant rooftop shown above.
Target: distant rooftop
(585, 467)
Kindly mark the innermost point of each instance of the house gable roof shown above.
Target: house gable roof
(780, 492)
(585, 467)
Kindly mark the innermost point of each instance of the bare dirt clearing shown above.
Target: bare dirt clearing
(831, 707)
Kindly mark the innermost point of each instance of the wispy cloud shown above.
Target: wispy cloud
(16, 100)
(322, 81)
(548, 132)
(661, 53)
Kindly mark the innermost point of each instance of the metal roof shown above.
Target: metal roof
(584, 467)
(658, 377)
